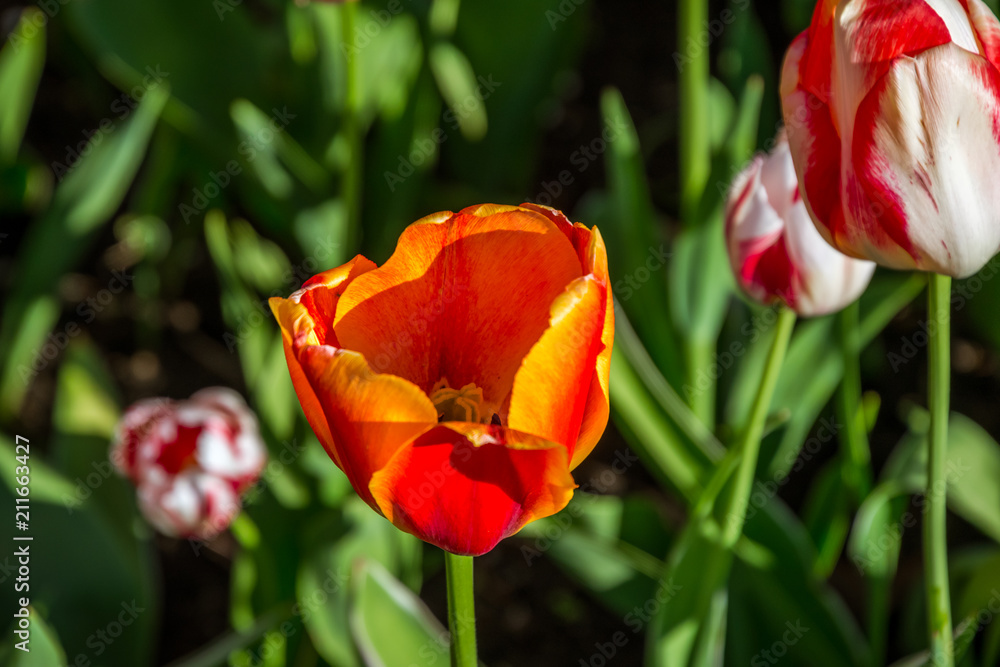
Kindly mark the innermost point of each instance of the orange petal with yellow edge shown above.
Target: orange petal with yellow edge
(552, 386)
(598, 405)
(464, 296)
(370, 415)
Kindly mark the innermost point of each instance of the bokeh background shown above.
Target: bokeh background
(167, 165)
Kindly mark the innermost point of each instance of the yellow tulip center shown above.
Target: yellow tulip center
(459, 405)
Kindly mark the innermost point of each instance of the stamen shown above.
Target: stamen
(457, 405)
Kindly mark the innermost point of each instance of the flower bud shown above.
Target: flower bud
(190, 460)
(775, 250)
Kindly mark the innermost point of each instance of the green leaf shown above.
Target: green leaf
(827, 518)
(972, 472)
(323, 576)
(650, 434)
(21, 63)
(48, 485)
(391, 625)
(636, 248)
(813, 355)
(704, 441)
(743, 136)
(65, 586)
(41, 644)
(787, 590)
(224, 55)
(588, 541)
(87, 401)
(724, 110)
(219, 649)
(25, 357)
(458, 84)
(701, 281)
(85, 200)
(974, 475)
(965, 632)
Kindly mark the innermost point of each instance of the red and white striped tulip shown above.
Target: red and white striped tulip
(893, 115)
(774, 248)
(190, 460)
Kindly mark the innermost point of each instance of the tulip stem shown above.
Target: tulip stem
(749, 445)
(461, 610)
(692, 61)
(854, 437)
(935, 541)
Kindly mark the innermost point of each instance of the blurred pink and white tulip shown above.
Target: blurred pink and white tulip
(190, 460)
(892, 109)
(774, 248)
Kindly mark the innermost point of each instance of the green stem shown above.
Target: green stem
(699, 362)
(352, 185)
(935, 542)
(692, 61)
(749, 445)
(461, 610)
(444, 17)
(854, 437)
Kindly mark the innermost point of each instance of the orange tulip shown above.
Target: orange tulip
(458, 384)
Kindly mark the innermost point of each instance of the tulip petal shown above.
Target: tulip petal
(464, 297)
(816, 50)
(320, 294)
(598, 406)
(987, 30)
(370, 415)
(306, 318)
(926, 143)
(882, 30)
(827, 279)
(561, 390)
(815, 147)
(464, 487)
(551, 387)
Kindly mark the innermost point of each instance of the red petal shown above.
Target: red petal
(465, 487)
(881, 30)
(816, 148)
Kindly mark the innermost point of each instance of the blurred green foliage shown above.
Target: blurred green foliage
(238, 148)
